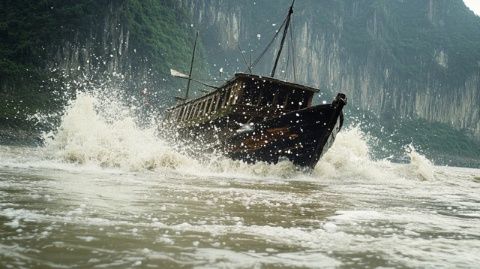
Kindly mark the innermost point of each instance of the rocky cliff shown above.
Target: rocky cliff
(397, 59)
(51, 49)
(411, 66)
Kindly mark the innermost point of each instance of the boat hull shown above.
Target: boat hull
(300, 136)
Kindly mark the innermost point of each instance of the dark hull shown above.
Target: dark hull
(301, 136)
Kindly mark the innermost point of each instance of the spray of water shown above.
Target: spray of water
(420, 164)
(89, 135)
(103, 132)
(349, 154)
(350, 157)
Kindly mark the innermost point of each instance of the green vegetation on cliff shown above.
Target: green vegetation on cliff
(431, 45)
(160, 32)
(37, 37)
(439, 142)
(28, 30)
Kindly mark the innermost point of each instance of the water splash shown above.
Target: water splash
(419, 164)
(350, 157)
(86, 135)
(101, 131)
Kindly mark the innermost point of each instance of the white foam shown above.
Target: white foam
(349, 157)
(86, 136)
(224, 258)
(87, 238)
(420, 165)
(101, 132)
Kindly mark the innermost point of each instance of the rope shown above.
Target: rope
(287, 63)
(292, 41)
(269, 44)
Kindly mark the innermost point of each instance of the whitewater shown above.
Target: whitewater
(104, 192)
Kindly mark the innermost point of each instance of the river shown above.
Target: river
(104, 193)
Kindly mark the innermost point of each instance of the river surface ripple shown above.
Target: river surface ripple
(63, 215)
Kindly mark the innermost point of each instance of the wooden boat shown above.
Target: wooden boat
(257, 118)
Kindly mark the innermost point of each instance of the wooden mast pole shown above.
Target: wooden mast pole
(290, 11)
(191, 68)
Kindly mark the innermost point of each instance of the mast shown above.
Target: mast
(290, 11)
(191, 68)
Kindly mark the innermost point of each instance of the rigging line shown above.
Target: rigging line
(270, 29)
(168, 75)
(250, 58)
(269, 44)
(286, 67)
(200, 82)
(292, 66)
(292, 41)
(287, 63)
(216, 80)
(244, 60)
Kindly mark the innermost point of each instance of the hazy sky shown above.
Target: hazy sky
(473, 5)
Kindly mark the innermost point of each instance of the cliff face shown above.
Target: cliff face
(398, 59)
(50, 49)
(130, 43)
(403, 61)
(105, 48)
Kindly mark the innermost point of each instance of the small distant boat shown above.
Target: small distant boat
(257, 118)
